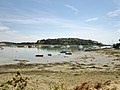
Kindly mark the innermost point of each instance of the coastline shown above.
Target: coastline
(71, 73)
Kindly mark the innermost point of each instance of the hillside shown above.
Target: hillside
(68, 41)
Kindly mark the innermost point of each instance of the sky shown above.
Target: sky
(32, 20)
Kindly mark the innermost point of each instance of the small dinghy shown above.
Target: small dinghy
(49, 54)
(39, 55)
(68, 53)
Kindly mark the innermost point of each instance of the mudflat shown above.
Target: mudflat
(97, 70)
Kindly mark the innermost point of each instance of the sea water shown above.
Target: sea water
(9, 54)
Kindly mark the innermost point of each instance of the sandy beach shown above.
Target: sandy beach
(97, 70)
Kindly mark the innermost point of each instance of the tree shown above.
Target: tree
(68, 41)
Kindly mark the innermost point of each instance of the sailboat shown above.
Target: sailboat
(39, 55)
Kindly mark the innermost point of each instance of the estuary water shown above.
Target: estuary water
(9, 54)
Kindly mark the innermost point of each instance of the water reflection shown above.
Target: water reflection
(50, 54)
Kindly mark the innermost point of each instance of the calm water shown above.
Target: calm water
(9, 54)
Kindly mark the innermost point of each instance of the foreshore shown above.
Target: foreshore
(90, 67)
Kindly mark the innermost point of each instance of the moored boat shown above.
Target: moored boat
(49, 54)
(63, 51)
(68, 53)
(39, 55)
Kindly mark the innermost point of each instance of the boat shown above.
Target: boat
(49, 54)
(63, 51)
(68, 53)
(39, 55)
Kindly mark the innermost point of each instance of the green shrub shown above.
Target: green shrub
(17, 83)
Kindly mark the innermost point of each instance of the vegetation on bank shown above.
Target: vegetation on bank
(17, 83)
(117, 45)
(58, 41)
(68, 41)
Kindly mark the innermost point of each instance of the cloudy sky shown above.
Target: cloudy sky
(30, 20)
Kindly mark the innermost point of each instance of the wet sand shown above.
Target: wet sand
(90, 67)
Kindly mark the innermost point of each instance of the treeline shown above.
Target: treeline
(117, 45)
(59, 41)
(68, 41)
(8, 43)
(15, 43)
